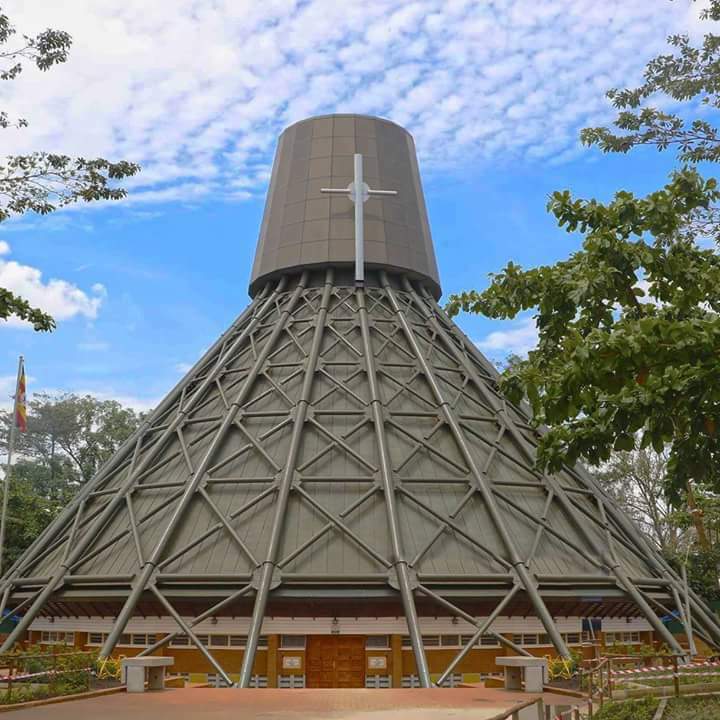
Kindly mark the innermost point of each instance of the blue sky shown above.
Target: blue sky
(494, 93)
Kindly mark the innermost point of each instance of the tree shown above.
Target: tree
(68, 439)
(635, 480)
(689, 73)
(82, 432)
(701, 557)
(35, 499)
(689, 536)
(628, 325)
(41, 181)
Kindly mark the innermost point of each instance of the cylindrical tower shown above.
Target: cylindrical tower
(304, 228)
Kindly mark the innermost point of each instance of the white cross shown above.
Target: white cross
(359, 192)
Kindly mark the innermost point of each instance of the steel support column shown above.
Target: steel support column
(285, 485)
(612, 564)
(480, 479)
(127, 447)
(198, 477)
(111, 508)
(399, 560)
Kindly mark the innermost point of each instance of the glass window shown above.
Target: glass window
(219, 641)
(572, 638)
(544, 639)
(377, 642)
(449, 640)
(238, 641)
(296, 642)
(96, 638)
(180, 641)
(489, 641)
(262, 641)
(57, 637)
(431, 640)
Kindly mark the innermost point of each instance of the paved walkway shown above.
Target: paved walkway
(224, 704)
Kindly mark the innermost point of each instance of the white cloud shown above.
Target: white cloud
(4, 248)
(183, 368)
(59, 298)
(198, 96)
(518, 339)
(7, 390)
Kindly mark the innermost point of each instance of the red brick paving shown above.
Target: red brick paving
(222, 704)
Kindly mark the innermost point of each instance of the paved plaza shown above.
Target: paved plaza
(217, 704)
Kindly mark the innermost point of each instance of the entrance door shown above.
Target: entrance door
(335, 661)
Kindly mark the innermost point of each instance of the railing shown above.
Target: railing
(597, 675)
(31, 676)
(514, 712)
(669, 667)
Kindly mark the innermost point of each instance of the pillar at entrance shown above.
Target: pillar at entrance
(397, 669)
(272, 660)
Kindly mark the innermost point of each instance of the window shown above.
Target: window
(431, 640)
(291, 681)
(531, 639)
(450, 640)
(216, 680)
(219, 641)
(57, 637)
(96, 638)
(180, 641)
(489, 641)
(377, 681)
(377, 642)
(294, 642)
(572, 638)
(410, 681)
(141, 639)
(622, 638)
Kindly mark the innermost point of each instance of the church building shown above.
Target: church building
(338, 494)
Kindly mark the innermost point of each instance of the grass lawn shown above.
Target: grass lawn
(689, 708)
(683, 708)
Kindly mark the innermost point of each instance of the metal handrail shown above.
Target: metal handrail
(514, 712)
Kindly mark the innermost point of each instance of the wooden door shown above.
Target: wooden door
(335, 661)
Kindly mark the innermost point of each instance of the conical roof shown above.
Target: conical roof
(343, 446)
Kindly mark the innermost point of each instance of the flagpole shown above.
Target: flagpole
(6, 479)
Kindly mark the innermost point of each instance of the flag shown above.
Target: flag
(20, 399)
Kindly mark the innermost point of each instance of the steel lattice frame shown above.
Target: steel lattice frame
(375, 384)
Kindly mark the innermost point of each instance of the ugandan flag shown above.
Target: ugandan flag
(21, 399)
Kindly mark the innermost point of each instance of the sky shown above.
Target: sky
(197, 91)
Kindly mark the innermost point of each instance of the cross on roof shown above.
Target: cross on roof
(359, 192)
